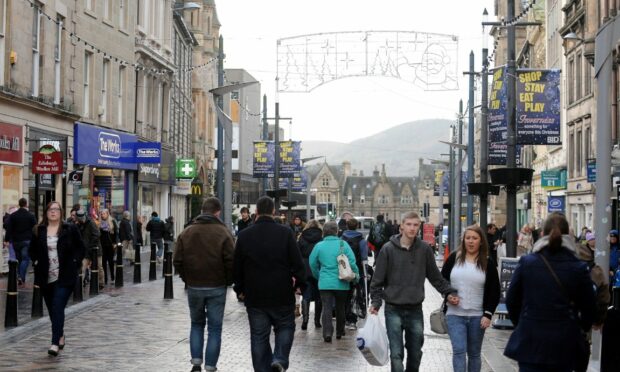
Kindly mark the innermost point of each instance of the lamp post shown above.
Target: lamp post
(308, 183)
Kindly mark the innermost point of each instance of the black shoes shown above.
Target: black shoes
(277, 367)
(339, 335)
(304, 326)
(327, 339)
(53, 350)
(196, 368)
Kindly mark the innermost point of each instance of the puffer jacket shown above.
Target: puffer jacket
(308, 239)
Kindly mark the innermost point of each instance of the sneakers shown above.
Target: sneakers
(53, 350)
(277, 367)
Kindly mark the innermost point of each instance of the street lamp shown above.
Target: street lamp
(187, 6)
(308, 183)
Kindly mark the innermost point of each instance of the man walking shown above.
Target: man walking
(203, 257)
(379, 234)
(19, 232)
(156, 228)
(268, 269)
(401, 268)
(357, 293)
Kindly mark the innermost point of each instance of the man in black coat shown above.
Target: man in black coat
(267, 272)
(19, 232)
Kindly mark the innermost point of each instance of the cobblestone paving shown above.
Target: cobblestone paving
(135, 329)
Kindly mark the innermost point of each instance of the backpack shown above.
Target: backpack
(354, 243)
(378, 236)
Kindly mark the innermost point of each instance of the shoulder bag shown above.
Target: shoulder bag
(344, 267)
(438, 321)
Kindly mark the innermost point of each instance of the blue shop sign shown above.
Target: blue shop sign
(556, 204)
(147, 152)
(591, 168)
(103, 147)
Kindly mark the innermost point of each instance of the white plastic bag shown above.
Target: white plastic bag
(372, 341)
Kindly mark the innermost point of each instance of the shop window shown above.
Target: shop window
(11, 180)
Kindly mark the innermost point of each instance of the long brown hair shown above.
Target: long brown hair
(45, 222)
(482, 260)
(555, 226)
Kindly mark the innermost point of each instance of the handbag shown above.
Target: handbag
(344, 267)
(438, 321)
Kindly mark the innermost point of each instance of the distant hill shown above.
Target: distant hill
(399, 148)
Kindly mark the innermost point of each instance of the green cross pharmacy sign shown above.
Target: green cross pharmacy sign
(186, 168)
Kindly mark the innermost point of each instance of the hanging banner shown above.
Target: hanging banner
(498, 152)
(299, 183)
(497, 107)
(538, 107)
(264, 159)
(47, 161)
(442, 177)
(591, 168)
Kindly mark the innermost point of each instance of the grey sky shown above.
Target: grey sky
(350, 108)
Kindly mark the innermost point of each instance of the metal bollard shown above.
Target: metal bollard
(137, 267)
(77, 290)
(37, 302)
(163, 267)
(10, 316)
(153, 266)
(94, 272)
(168, 292)
(119, 266)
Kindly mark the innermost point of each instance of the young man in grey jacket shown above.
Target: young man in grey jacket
(401, 268)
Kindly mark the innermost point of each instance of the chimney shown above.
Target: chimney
(346, 168)
(383, 170)
(375, 173)
(354, 174)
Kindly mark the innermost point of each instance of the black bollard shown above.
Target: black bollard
(37, 302)
(10, 316)
(168, 293)
(94, 272)
(137, 267)
(163, 267)
(153, 266)
(119, 266)
(77, 290)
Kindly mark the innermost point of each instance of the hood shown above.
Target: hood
(567, 242)
(585, 253)
(395, 239)
(351, 234)
(169, 219)
(156, 219)
(312, 235)
(207, 219)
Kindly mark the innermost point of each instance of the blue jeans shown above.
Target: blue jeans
(409, 319)
(282, 319)
(56, 298)
(466, 338)
(206, 306)
(21, 253)
(160, 246)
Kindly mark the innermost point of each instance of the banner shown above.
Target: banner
(497, 107)
(498, 151)
(428, 233)
(538, 107)
(300, 182)
(591, 168)
(443, 177)
(553, 179)
(264, 159)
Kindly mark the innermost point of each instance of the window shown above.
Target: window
(350, 199)
(570, 79)
(58, 60)
(406, 199)
(122, 14)
(104, 89)
(382, 200)
(587, 80)
(578, 153)
(107, 9)
(578, 76)
(362, 199)
(325, 181)
(586, 145)
(119, 95)
(36, 41)
(571, 155)
(89, 4)
(427, 184)
(87, 86)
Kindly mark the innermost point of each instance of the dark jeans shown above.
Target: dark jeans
(409, 319)
(282, 319)
(108, 262)
(21, 253)
(327, 298)
(56, 298)
(206, 307)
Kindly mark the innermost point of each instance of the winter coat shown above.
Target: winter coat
(71, 251)
(598, 276)
(156, 227)
(308, 239)
(203, 253)
(548, 330)
(126, 230)
(169, 230)
(324, 263)
(19, 226)
(268, 266)
(91, 236)
(491, 292)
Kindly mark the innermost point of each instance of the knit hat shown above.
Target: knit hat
(613, 233)
(590, 236)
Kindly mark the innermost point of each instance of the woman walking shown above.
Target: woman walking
(324, 265)
(126, 236)
(552, 303)
(525, 241)
(109, 238)
(310, 236)
(473, 273)
(57, 251)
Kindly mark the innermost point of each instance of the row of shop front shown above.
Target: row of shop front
(96, 172)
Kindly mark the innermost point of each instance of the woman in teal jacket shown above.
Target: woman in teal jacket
(324, 265)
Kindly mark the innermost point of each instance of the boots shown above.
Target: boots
(318, 309)
(305, 313)
(297, 312)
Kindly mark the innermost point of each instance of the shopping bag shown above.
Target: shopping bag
(345, 272)
(372, 341)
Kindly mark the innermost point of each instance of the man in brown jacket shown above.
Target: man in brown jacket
(203, 257)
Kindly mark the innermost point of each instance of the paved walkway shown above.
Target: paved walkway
(135, 329)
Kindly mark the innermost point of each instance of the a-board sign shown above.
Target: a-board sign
(507, 266)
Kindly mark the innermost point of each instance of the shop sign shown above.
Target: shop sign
(11, 149)
(103, 147)
(553, 179)
(158, 173)
(556, 204)
(197, 189)
(183, 187)
(75, 177)
(148, 152)
(186, 168)
(591, 165)
(46, 181)
(47, 161)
